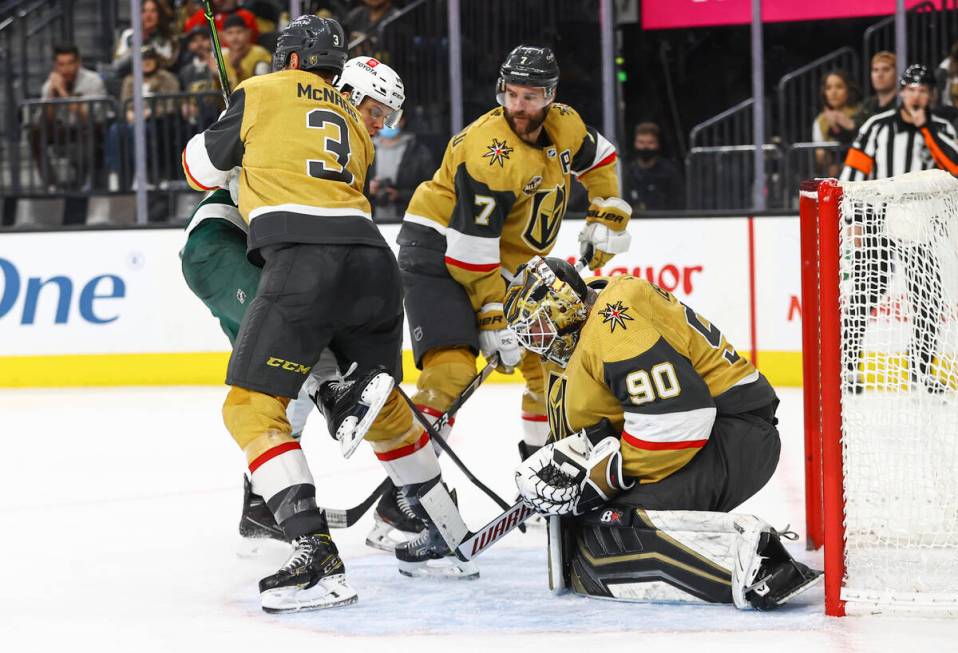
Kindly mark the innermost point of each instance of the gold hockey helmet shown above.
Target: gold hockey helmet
(545, 305)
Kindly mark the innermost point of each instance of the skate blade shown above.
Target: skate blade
(801, 588)
(255, 547)
(330, 592)
(385, 537)
(448, 567)
(352, 431)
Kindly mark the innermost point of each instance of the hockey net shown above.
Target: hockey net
(880, 349)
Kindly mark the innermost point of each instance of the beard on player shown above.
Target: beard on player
(528, 121)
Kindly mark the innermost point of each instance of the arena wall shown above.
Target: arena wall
(100, 308)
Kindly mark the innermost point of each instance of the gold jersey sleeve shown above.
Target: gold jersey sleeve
(499, 201)
(658, 371)
(304, 154)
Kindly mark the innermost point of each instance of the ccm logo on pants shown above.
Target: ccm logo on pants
(289, 366)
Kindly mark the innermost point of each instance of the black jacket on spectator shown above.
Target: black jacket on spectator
(416, 166)
(870, 107)
(657, 188)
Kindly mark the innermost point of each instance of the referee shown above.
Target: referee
(904, 139)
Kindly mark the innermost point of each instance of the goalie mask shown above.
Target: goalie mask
(529, 66)
(546, 305)
(367, 77)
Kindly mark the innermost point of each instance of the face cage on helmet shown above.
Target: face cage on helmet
(536, 331)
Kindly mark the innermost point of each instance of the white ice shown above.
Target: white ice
(118, 513)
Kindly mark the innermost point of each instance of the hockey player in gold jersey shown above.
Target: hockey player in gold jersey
(216, 269)
(659, 428)
(328, 279)
(498, 198)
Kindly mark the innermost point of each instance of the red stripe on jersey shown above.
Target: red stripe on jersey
(661, 446)
(529, 417)
(472, 267)
(432, 412)
(604, 162)
(272, 453)
(190, 177)
(404, 451)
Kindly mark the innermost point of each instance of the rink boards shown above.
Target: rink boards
(111, 307)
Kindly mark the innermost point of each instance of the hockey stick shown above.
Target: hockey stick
(337, 518)
(217, 50)
(438, 439)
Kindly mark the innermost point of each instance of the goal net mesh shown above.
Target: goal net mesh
(899, 315)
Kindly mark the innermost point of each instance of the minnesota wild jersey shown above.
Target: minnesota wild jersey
(499, 201)
(658, 371)
(303, 152)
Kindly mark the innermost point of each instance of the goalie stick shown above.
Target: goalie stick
(339, 518)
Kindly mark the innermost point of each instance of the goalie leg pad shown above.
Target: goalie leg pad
(619, 553)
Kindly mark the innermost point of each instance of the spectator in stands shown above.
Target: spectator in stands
(266, 12)
(401, 163)
(836, 123)
(335, 9)
(241, 54)
(653, 183)
(200, 75)
(947, 87)
(64, 130)
(160, 115)
(363, 23)
(884, 84)
(223, 9)
(156, 19)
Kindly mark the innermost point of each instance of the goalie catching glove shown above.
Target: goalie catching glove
(495, 337)
(574, 475)
(604, 230)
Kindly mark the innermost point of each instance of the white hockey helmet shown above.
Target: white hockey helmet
(364, 77)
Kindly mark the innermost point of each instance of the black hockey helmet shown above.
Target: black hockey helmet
(529, 65)
(916, 74)
(319, 42)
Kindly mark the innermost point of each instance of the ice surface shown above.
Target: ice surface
(119, 508)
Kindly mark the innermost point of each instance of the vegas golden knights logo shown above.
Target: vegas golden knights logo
(558, 424)
(548, 209)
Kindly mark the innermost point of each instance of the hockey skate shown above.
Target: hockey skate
(351, 407)
(313, 578)
(772, 576)
(427, 554)
(257, 527)
(391, 525)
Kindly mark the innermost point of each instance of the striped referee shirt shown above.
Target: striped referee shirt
(887, 146)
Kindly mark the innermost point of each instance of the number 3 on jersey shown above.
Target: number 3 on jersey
(335, 135)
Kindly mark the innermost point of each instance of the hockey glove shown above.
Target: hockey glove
(572, 475)
(495, 337)
(604, 230)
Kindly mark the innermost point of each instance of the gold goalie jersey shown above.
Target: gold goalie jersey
(304, 154)
(658, 371)
(500, 201)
